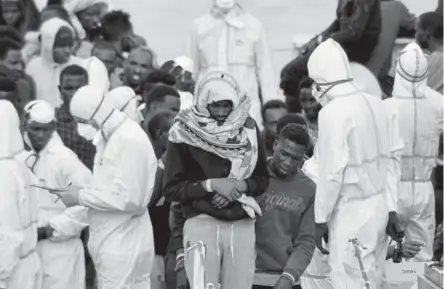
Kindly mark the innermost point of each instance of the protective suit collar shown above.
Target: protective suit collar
(89, 103)
(11, 142)
(329, 67)
(48, 33)
(411, 73)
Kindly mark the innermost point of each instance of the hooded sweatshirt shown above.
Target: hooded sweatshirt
(43, 69)
(285, 231)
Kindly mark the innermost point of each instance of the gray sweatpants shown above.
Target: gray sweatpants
(230, 251)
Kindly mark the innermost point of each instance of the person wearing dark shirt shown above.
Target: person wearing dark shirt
(295, 118)
(356, 28)
(272, 111)
(285, 231)
(215, 166)
(72, 78)
(160, 97)
(310, 109)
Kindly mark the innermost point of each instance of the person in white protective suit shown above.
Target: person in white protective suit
(19, 263)
(57, 41)
(365, 79)
(419, 110)
(359, 151)
(97, 73)
(125, 99)
(60, 248)
(121, 236)
(232, 40)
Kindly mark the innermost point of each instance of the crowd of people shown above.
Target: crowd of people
(120, 173)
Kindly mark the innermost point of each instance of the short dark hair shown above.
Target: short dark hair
(11, 33)
(7, 44)
(291, 118)
(296, 133)
(115, 23)
(105, 45)
(160, 76)
(159, 92)
(272, 104)
(432, 22)
(74, 70)
(159, 122)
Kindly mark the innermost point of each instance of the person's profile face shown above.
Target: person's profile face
(271, 117)
(90, 18)
(220, 110)
(309, 104)
(70, 84)
(14, 61)
(422, 37)
(11, 12)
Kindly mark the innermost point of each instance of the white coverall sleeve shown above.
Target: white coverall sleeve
(11, 231)
(74, 219)
(192, 50)
(394, 167)
(121, 191)
(264, 70)
(333, 159)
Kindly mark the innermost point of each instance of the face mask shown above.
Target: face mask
(87, 131)
(225, 3)
(321, 96)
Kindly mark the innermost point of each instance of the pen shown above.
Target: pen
(58, 198)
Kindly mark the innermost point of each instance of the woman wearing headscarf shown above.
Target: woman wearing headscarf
(21, 15)
(215, 164)
(19, 264)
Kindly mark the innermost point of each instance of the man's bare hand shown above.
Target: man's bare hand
(224, 187)
(219, 202)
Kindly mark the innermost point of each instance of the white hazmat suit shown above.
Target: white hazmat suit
(235, 43)
(56, 166)
(43, 69)
(125, 99)
(19, 262)
(121, 236)
(419, 110)
(359, 160)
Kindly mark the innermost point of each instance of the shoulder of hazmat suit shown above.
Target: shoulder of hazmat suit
(236, 43)
(419, 111)
(43, 69)
(354, 152)
(121, 236)
(19, 263)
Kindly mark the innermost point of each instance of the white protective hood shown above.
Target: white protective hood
(328, 63)
(97, 73)
(124, 99)
(11, 141)
(48, 32)
(75, 6)
(411, 73)
(365, 79)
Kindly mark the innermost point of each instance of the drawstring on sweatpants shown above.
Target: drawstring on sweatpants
(217, 241)
(231, 241)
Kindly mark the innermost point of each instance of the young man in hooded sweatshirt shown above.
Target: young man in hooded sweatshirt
(57, 42)
(285, 231)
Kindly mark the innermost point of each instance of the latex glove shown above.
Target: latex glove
(181, 279)
(411, 248)
(321, 232)
(393, 228)
(219, 201)
(224, 187)
(283, 283)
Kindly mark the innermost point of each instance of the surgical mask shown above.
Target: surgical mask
(321, 96)
(133, 110)
(87, 131)
(227, 4)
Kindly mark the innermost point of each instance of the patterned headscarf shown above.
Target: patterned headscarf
(235, 139)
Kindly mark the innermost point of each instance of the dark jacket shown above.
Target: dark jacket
(356, 27)
(26, 90)
(186, 167)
